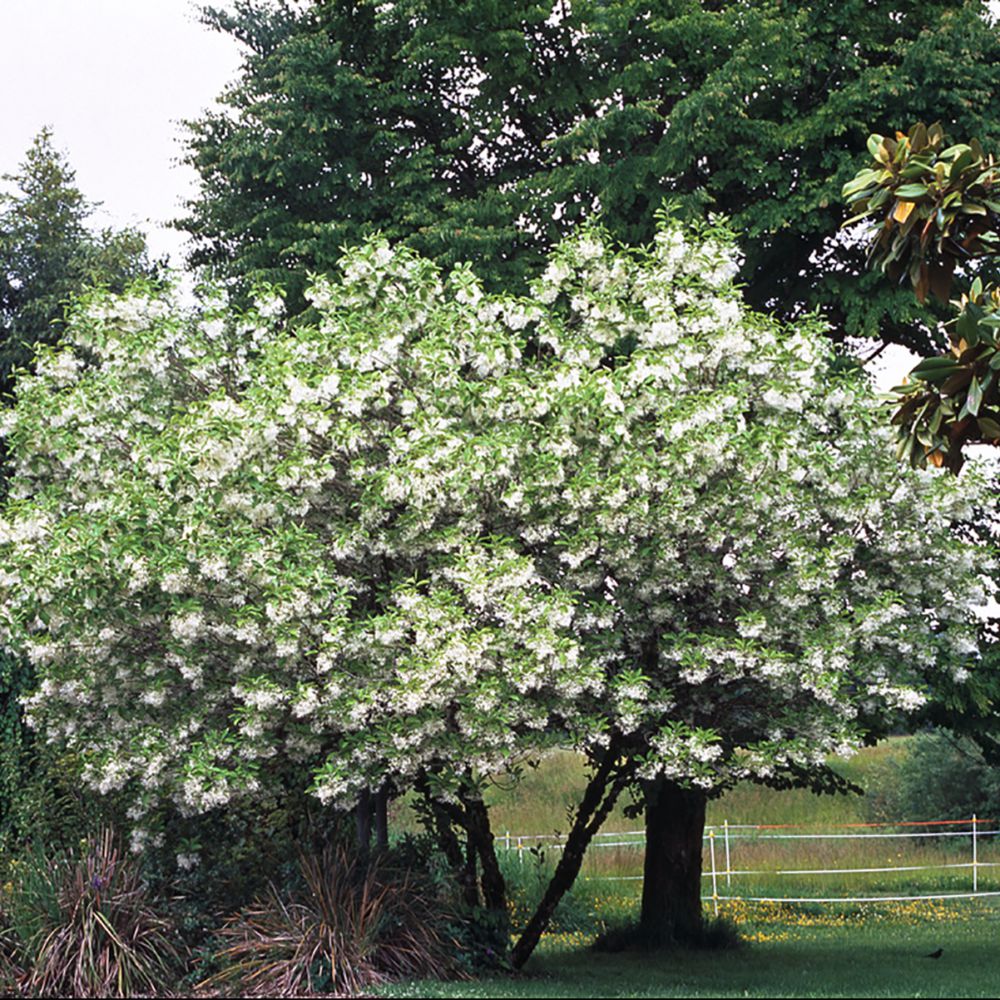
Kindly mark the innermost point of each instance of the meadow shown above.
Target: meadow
(769, 832)
(870, 949)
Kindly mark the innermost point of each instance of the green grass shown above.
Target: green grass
(539, 802)
(809, 950)
(864, 952)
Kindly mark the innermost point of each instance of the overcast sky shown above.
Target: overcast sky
(113, 78)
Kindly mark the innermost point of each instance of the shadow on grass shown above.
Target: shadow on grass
(857, 962)
(719, 934)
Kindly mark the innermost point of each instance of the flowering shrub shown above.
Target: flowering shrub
(437, 530)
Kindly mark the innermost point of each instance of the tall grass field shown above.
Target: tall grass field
(765, 832)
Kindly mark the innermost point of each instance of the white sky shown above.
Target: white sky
(113, 78)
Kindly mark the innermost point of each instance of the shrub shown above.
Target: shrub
(42, 799)
(213, 864)
(941, 776)
(87, 926)
(351, 925)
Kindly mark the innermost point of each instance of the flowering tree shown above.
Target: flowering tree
(438, 531)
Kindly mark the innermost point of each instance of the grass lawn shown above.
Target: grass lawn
(862, 953)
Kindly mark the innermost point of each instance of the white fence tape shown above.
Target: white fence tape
(729, 833)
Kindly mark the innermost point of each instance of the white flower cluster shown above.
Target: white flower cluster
(443, 530)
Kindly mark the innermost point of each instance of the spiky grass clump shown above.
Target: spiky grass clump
(87, 926)
(353, 924)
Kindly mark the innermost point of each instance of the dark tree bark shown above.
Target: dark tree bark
(439, 823)
(472, 816)
(598, 800)
(363, 822)
(481, 838)
(382, 819)
(671, 888)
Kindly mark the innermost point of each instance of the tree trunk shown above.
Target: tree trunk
(363, 822)
(493, 885)
(439, 822)
(598, 800)
(382, 819)
(671, 888)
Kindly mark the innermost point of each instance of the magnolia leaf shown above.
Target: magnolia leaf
(988, 428)
(967, 327)
(973, 399)
(911, 191)
(864, 179)
(956, 383)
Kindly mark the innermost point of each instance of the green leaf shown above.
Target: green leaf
(963, 160)
(935, 369)
(967, 327)
(910, 192)
(864, 179)
(974, 399)
(988, 427)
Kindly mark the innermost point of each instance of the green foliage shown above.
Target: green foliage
(211, 864)
(527, 877)
(936, 206)
(41, 798)
(48, 255)
(941, 776)
(936, 210)
(15, 678)
(484, 132)
(952, 400)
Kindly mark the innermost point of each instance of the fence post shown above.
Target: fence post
(729, 867)
(520, 850)
(506, 839)
(975, 856)
(715, 885)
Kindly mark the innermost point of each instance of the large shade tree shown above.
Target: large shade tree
(483, 131)
(438, 531)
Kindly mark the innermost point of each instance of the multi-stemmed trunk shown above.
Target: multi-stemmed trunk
(488, 889)
(599, 798)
